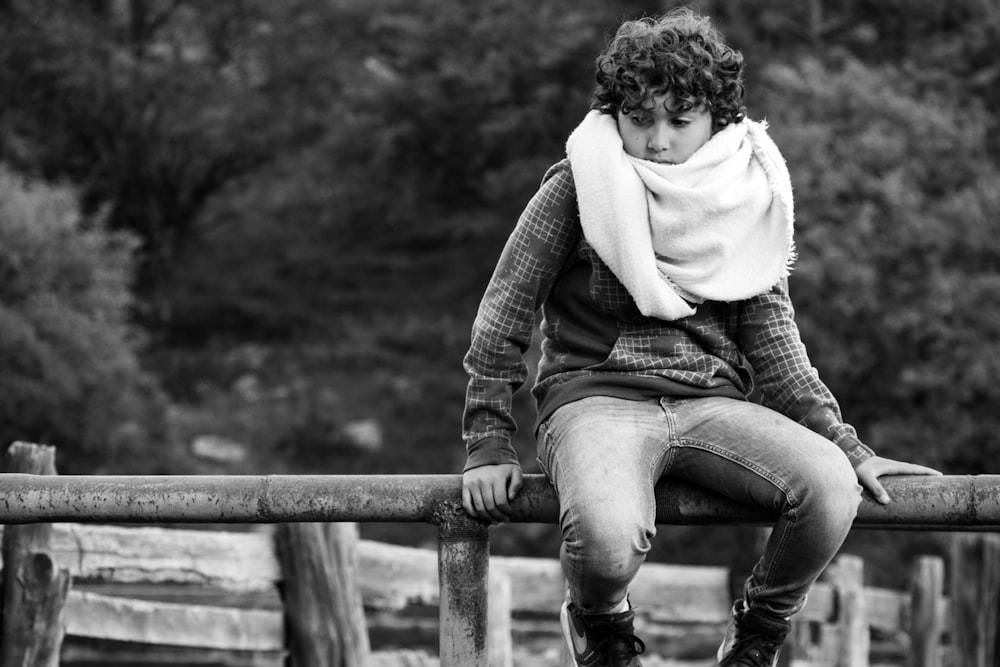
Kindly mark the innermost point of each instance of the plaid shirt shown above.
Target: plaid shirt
(596, 342)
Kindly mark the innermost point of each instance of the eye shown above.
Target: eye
(642, 120)
(680, 122)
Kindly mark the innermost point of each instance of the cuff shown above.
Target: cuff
(491, 450)
(857, 452)
(826, 422)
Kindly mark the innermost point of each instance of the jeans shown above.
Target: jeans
(604, 455)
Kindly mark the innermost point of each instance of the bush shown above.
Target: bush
(69, 374)
(896, 286)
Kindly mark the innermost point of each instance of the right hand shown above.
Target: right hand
(488, 490)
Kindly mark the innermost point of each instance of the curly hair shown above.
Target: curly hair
(679, 53)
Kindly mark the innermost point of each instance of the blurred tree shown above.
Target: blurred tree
(290, 166)
(68, 372)
(897, 286)
(154, 106)
(464, 93)
(944, 47)
(447, 116)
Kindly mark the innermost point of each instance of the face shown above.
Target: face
(661, 135)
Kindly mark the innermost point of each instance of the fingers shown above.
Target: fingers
(910, 470)
(914, 469)
(500, 506)
(892, 467)
(880, 494)
(515, 484)
(869, 481)
(877, 491)
(869, 472)
(481, 504)
(489, 497)
(467, 503)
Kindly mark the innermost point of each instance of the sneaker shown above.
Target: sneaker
(600, 640)
(752, 638)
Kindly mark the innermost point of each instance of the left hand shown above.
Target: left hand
(871, 469)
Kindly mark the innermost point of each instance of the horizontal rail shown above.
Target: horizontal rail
(935, 503)
(949, 502)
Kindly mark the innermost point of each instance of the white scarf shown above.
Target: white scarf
(716, 227)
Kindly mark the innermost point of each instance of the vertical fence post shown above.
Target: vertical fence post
(501, 645)
(975, 589)
(324, 616)
(463, 575)
(342, 539)
(926, 617)
(847, 576)
(34, 589)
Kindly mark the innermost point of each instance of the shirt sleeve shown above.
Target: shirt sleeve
(785, 376)
(545, 235)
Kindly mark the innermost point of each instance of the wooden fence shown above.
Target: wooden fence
(229, 597)
(150, 595)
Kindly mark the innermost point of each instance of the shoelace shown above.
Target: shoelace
(633, 645)
(751, 653)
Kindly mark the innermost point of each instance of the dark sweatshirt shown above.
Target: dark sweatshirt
(596, 342)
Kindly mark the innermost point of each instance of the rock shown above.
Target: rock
(217, 448)
(365, 434)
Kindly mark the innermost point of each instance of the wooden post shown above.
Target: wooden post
(975, 594)
(847, 577)
(34, 590)
(325, 623)
(498, 623)
(926, 617)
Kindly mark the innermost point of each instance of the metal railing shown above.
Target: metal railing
(953, 503)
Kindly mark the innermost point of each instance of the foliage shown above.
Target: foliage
(68, 373)
(333, 180)
(156, 106)
(442, 130)
(897, 288)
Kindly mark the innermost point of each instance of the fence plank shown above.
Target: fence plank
(403, 659)
(231, 560)
(235, 561)
(392, 577)
(170, 624)
(91, 652)
(887, 609)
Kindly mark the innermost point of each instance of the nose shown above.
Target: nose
(659, 138)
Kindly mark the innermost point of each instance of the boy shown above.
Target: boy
(659, 252)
